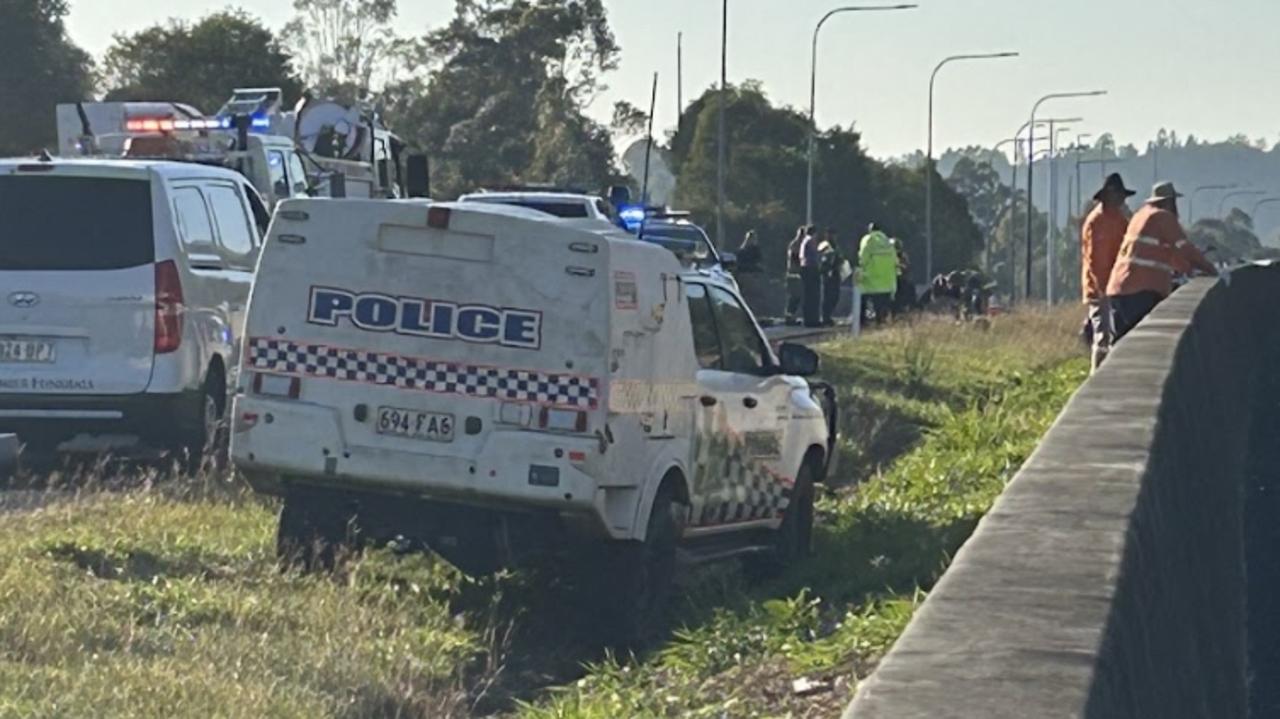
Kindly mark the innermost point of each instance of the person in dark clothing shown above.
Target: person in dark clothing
(811, 277)
(832, 262)
(749, 256)
(795, 290)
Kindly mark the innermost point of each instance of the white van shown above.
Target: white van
(492, 381)
(124, 291)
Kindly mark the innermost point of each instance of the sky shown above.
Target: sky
(1195, 66)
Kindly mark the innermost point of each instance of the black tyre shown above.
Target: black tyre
(314, 533)
(639, 577)
(793, 541)
(204, 441)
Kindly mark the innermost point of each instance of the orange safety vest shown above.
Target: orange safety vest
(1155, 249)
(1100, 242)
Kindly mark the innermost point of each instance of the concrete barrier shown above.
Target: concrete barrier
(1108, 580)
(8, 456)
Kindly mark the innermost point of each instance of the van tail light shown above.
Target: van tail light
(170, 307)
(438, 218)
(276, 385)
(563, 420)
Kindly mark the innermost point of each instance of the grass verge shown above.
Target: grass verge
(166, 601)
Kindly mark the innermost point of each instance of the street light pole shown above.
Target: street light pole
(1260, 204)
(1191, 199)
(928, 163)
(813, 88)
(721, 139)
(1031, 167)
(1050, 244)
(1222, 206)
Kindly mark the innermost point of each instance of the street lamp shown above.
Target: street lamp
(1222, 206)
(1259, 206)
(1191, 199)
(721, 140)
(1031, 166)
(928, 163)
(813, 87)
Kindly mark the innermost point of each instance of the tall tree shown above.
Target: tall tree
(199, 64)
(983, 189)
(39, 67)
(345, 46)
(765, 182)
(505, 99)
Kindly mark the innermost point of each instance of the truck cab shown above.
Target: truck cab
(493, 382)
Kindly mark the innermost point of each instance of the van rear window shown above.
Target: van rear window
(563, 210)
(52, 222)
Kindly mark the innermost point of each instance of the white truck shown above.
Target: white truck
(492, 382)
(321, 148)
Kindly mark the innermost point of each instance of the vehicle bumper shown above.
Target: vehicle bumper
(51, 419)
(296, 445)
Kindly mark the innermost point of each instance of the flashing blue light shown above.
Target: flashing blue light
(257, 123)
(632, 217)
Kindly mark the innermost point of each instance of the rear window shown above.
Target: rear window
(74, 223)
(565, 210)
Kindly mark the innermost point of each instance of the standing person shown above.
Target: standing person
(877, 273)
(904, 296)
(1100, 240)
(832, 262)
(795, 289)
(811, 277)
(1155, 248)
(749, 256)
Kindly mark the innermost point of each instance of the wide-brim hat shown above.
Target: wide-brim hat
(1163, 191)
(1114, 182)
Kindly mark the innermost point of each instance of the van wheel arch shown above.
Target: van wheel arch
(673, 482)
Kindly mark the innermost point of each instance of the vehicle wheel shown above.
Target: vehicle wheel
(793, 541)
(313, 534)
(639, 577)
(205, 445)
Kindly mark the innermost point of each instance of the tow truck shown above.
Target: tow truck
(321, 148)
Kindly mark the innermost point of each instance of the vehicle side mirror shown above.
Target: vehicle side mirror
(417, 176)
(797, 360)
(729, 261)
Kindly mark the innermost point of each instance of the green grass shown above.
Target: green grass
(164, 601)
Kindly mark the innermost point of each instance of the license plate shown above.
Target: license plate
(27, 351)
(427, 426)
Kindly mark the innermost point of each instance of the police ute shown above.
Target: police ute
(498, 384)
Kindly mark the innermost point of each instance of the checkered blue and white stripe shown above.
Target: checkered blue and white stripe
(414, 373)
(754, 494)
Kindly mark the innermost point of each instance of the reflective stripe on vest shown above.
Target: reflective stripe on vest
(1151, 264)
(1144, 240)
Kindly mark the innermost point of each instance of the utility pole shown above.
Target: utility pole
(679, 78)
(720, 150)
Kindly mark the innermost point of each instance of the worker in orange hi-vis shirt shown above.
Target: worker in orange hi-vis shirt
(1100, 240)
(1155, 249)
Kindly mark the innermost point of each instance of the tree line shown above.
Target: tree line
(498, 95)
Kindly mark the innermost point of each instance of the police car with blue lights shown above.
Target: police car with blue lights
(674, 231)
(498, 384)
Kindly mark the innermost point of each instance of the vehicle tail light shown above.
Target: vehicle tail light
(438, 218)
(170, 307)
(563, 420)
(245, 421)
(276, 385)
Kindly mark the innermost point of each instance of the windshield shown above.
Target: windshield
(564, 210)
(74, 223)
(688, 242)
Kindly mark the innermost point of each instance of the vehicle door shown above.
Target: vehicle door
(77, 282)
(238, 244)
(743, 413)
(210, 289)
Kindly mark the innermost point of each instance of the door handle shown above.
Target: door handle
(707, 401)
(751, 402)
